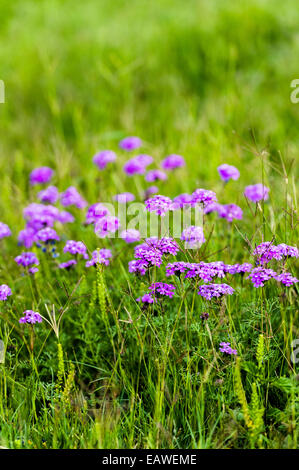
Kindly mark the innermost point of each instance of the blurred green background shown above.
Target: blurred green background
(207, 79)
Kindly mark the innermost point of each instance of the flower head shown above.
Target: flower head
(101, 256)
(193, 235)
(208, 291)
(130, 235)
(47, 234)
(124, 197)
(226, 348)
(130, 143)
(101, 159)
(67, 264)
(257, 192)
(76, 248)
(173, 161)
(154, 175)
(71, 197)
(96, 212)
(5, 292)
(4, 230)
(230, 212)
(159, 204)
(105, 225)
(26, 259)
(42, 174)
(162, 289)
(134, 167)
(203, 196)
(147, 299)
(50, 194)
(30, 317)
(228, 172)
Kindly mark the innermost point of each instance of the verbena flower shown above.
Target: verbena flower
(159, 204)
(226, 348)
(76, 248)
(193, 235)
(130, 235)
(203, 197)
(138, 266)
(26, 237)
(181, 201)
(238, 268)
(26, 259)
(40, 215)
(150, 190)
(67, 264)
(286, 279)
(101, 256)
(163, 289)
(40, 175)
(147, 299)
(202, 270)
(71, 197)
(5, 292)
(101, 159)
(151, 253)
(266, 251)
(260, 275)
(47, 234)
(228, 172)
(96, 212)
(105, 225)
(288, 251)
(173, 161)
(4, 230)
(257, 192)
(134, 167)
(130, 143)
(144, 159)
(65, 217)
(30, 317)
(155, 175)
(124, 197)
(209, 291)
(50, 194)
(229, 212)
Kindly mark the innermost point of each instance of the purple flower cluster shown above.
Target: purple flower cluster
(5, 292)
(105, 225)
(229, 212)
(130, 143)
(162, 289)
(155, 175)
(46, 235)
(41, 175)
(27, 259)
(124, 197)
(4, 230)
(256, 192)
(226, 348)
(50, 195)
(147, 299)
(173, 161)
(96, 212)
(67, 264)
(130, 235)
(194, 236)
(101, 159)
(71, 197)
(208, 291)
(30, 317)
(266, 251)
(151, 253)
(159, 204)
(260, 275)
(203, 197)
(75, 248)
(101, 256)
(228, 172)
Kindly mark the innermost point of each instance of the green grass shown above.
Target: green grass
(208, 80)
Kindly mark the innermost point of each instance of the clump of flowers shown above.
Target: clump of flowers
(4, 230)
(205, 271)
(71, 197)
(47, 235)
(173, 161)
(208, 291)
(134, 166)
(193, 236)
(147, 299)
(96, 212)
(203, 197)
(266, 251)
(130, 235)
(260, 275)
(41, 175)
(27, 259)
(229, 212)
(181, 200)
(5, 292)
(228, 172)
(101, 256)
(226, 348)
(67, 264)
(106, 225)
(159, 204)
(76, 248)
(101, 159)
(155, 175)
(286, 278)
(30, 317)
(130, 143)
(257, 192)
(124, 197)
(150, 253)
(162, 289)
(50, 195)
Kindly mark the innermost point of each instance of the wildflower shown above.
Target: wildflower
(47, 234)
(230, 212)
(286, 279)
(42, 174)
(50, 194)
(259, 275)
(205, 271)
(130, 143)
(65, 217)
(203, 196)
(162, 289)
(204, 316)
(130, 235)
(101, 159)
(40, 215)
(238, 268)
(5, 292)
(26, 237)
(146, 298)
(105, 225)
(75, 248)
(208, 291)
(138, 266)
(71, 197)
(228, 172)
(134, 167)
(173, 161)
(193, 236)
(154, 175)
(33, 270)
(226, 348)
(150, 190)
(101, 256)
(67, 264)
(266, 251)
(257, 192)
(211, 207)
(288, 251)
(124, 197)
(181, 200)
(144, 159)
(30, 317)
(159, 204)
(96, 212)
(4, 230)
(27, 258)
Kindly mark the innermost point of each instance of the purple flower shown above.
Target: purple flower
(30, 317)
(27, 237)
(203, 196)
(159, 204)
(75, 248)
(144, 159)
(257, 192)
(65, 217)
(288, 251)
(260, 275)
(101, 159)
(154, 175)
(162, 289)
(40, 215)
(5, 292)
(101, 256)
(138, 266)
(130, 235)
(67, 264)
(266, 251)
(130, 143)
(205, 271)
(33, 270)
(4, 230)
(211, 207)
(286, 279)
(182, 200)
(226, 348)
(147, 298)
(230, 212)
(173, 161)
(193, 236)
(208, 291)
(47, 234)
(151, 253)
(150, 190)
(204, 316)
(50, 194)
(134, 167)
(106, 225)
(96, 212)
(124, 197)
(238, 268)
(42, 174)
(27, 258)
(228, 172)
(71, 197)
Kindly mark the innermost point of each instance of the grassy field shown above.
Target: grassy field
(205, 79)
